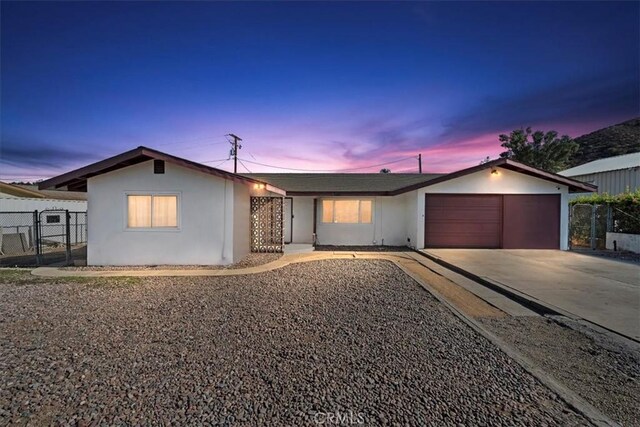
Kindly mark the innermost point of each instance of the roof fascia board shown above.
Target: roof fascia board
(571, 183)
(85, 171)
(507, 164)
(339, 193)
(143, 154)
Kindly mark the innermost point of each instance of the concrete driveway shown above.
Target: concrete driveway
(603, 291)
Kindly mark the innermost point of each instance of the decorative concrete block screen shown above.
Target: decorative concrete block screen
(267, 224)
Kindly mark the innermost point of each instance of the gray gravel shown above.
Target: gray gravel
(354, 338)
(604, 370)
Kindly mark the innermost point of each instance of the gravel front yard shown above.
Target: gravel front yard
(333, 340)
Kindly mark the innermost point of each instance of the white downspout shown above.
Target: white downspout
(224, 222)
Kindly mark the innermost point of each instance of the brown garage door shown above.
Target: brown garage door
(463, 221)
(531, 221)
(510, 221)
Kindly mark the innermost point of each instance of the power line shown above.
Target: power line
(218, 164)
(331, 170)
(217, 160)
(245, 166)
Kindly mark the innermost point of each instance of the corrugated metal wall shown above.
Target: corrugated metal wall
(613, 182)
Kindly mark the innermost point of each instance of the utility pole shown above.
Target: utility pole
(420, 163)
(234, 150)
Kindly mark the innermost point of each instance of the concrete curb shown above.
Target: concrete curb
(572, 399)
(284, 261)
(531, 302)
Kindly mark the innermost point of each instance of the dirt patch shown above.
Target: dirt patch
(55, 255)
(604, 370)
(619, 255)
(455, 294)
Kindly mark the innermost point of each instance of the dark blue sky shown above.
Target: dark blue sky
(307, 85)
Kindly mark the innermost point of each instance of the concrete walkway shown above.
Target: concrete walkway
(283, 261)
(603, 291)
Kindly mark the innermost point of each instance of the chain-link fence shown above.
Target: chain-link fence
(589, 224)
(42, 238)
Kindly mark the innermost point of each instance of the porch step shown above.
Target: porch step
(298, 248)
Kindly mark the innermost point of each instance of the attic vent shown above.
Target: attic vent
(158, 166)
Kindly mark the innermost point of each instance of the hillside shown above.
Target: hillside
(623, 138)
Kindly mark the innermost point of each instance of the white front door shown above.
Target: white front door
(288, 219)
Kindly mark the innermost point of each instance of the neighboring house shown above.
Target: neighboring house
(613, 175)
(27, 198)
(18, 204)
(148, 207)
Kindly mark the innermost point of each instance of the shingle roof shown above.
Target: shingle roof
(342, 182)
(391, 184)
(297, 184)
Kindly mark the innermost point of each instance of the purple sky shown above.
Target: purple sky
(307, 85)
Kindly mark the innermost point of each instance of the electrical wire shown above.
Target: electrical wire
(245, 166)
(330, 170)
(219, 164)
(213, 161)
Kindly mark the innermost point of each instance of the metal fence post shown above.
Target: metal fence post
(36, 227)
(593, 226)
(68, 235)
(571, 227)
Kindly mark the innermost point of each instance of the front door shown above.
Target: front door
(288, 220)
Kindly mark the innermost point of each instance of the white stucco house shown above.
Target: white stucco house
(148, 207)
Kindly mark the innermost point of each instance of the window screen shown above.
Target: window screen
(365, 211)
(152, 211)
(165, 211)
(347, 211)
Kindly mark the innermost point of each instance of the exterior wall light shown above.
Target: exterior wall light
(494, 172)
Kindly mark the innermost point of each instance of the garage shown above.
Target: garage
(508, 221)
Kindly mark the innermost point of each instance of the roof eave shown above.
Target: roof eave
(77, 178)
(339, 193)
(573, 185)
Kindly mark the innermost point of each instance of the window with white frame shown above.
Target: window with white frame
(152, 211)
(347, 211)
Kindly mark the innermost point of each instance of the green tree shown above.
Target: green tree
(385, 170)
(542, 150)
